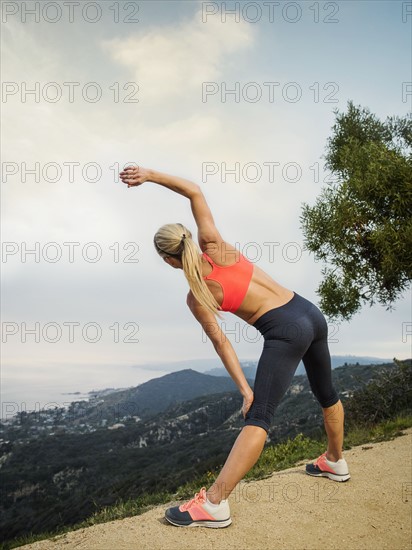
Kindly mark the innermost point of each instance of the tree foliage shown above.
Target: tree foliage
(361, 224)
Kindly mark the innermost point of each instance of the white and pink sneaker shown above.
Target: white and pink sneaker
(199, 512)
(338, 471)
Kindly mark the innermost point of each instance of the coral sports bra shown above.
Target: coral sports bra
(234, 280)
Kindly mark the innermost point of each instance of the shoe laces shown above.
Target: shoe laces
(199, 498)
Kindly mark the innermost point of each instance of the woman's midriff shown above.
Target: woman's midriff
(263, 294)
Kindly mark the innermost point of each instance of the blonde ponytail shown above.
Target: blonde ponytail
(174, 239)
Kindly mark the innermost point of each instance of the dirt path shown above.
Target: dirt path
(288, 510)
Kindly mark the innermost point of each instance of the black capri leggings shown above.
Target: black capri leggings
(292, 332)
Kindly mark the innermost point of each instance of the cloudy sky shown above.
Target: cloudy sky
(240, 103)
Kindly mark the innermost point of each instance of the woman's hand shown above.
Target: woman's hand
(247, 403)
(133, 176)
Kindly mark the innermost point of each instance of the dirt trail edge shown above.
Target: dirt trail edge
(288, 510)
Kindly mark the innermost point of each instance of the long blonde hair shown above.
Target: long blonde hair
(174, 239)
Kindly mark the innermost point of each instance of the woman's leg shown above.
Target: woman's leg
(333, 418)
(275, 371)
(244, 454)
(318, 367)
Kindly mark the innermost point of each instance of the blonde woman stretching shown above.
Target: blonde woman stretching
(293, 328)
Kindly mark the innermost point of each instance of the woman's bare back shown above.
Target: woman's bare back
(263, 293)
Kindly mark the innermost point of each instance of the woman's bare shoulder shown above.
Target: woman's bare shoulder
(222, 253)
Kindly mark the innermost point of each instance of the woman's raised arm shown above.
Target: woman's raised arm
(136, 175)
(207, 231)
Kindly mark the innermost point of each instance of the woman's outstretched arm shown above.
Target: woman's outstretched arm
(136, 175)
(207, 231)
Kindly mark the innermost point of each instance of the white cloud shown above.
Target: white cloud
(173, 60)
(194, 130)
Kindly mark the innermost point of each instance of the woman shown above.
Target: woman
(293, 328)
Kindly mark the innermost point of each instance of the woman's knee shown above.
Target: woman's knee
(258, 429)
(257, 424)
(328, 399)
(259, 415)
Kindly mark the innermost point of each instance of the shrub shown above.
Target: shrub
(385, 396)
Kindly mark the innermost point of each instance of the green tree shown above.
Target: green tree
(361, 224)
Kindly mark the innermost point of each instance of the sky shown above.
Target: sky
(241, 103)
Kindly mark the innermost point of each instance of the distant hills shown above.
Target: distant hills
(249, 367)
(208, 366)
(151, 397)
